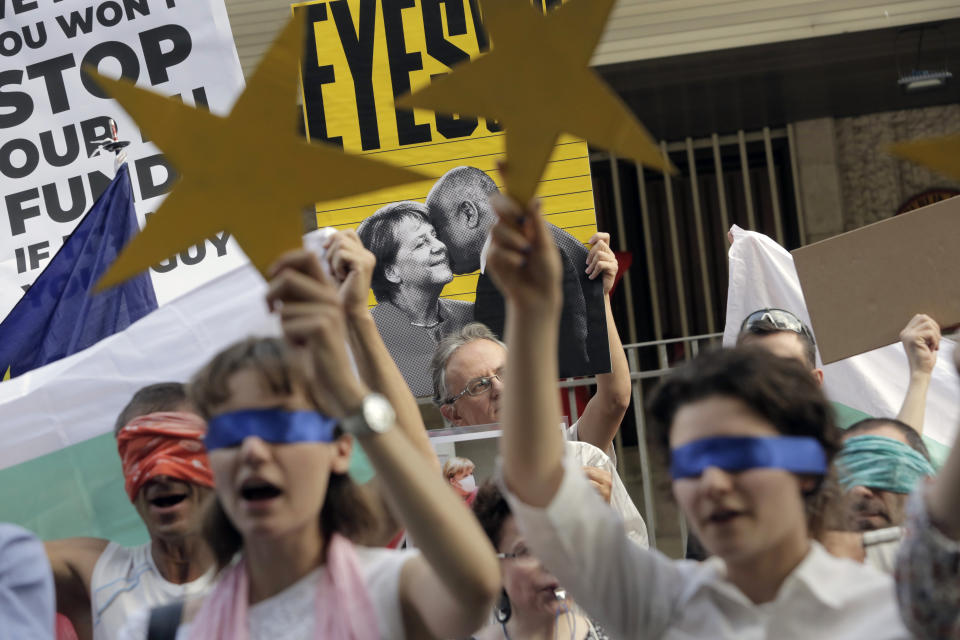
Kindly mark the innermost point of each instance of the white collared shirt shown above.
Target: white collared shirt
(588, 455)
(636, 593)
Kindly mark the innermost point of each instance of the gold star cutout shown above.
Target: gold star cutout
(939, 154)
(537, 82)
(249, 173)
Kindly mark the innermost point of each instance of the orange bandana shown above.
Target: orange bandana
(164, 444)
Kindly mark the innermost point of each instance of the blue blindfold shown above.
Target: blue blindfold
(790, 453)
(272, 425)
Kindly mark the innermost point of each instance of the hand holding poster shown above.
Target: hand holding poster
(429, 237)
(52, 118)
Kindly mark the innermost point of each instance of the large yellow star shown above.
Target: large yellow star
(939, 154)
(538, 83)
(249, 173)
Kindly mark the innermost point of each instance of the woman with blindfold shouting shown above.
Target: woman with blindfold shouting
(750, 437)
(283, 415)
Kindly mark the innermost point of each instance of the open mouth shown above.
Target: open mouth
(257, 491)
(723, 516)
(162, 502)
(870, 521)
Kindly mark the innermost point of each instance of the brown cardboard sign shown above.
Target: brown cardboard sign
(862, 287)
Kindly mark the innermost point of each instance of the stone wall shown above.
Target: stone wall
(847, 178)
(874, 184)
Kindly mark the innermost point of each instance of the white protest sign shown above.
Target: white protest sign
(52, 117)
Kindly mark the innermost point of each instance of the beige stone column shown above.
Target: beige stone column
(818, 170)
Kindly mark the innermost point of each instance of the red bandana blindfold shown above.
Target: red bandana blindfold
(163, 444)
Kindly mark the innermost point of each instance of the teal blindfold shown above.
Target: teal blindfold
(881, 463)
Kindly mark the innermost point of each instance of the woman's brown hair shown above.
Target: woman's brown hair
(346, 509)
(781, 390)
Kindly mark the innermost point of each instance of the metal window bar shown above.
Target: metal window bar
(705, 143)
(675, 247)
(721, 187)
(701, 246)
(652, 280)
(572, 401)
(774, 192)
(745, 170)
(795, 172)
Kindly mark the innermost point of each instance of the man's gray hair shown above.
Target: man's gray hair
(445, 350)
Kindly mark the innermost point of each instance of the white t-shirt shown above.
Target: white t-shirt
(588, 455)
(125, 580)
(289, 615)
(573, 435)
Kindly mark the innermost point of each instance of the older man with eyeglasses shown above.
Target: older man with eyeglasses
(468, 381)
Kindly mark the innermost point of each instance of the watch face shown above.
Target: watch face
(378, 413)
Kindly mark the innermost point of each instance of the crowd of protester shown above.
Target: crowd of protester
(801, 525)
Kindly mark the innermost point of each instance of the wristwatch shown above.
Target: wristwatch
(375, 416)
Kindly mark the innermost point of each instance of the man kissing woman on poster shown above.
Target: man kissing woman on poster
(420, 246)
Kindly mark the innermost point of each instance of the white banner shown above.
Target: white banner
(762, 275)
(52, 116)
(76, 398)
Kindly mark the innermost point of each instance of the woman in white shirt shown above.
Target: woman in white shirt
(751, 437)
(285, 506)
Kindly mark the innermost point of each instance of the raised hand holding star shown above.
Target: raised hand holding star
(249, 173)
(537, 82)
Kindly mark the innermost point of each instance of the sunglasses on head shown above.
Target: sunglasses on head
(779, 318)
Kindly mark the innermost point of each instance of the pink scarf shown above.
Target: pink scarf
(343, 607)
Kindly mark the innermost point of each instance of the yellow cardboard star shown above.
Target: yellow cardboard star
(537, 82)
(939, 154)
(249, 173)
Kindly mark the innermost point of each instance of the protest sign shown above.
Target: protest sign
(256, 173)
(364, 55)
(541, 60)
(863, 286)
(52, 119)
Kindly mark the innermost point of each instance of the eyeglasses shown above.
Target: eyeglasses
(522, 554)
(477, 387)
(779, 318)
